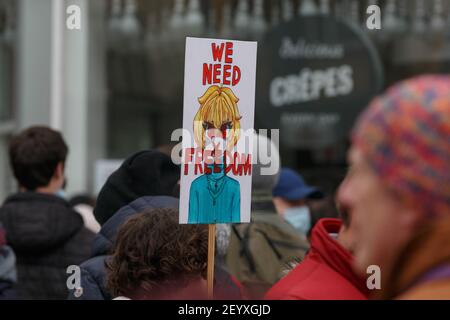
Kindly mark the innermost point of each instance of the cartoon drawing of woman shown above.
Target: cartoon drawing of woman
(214, 197)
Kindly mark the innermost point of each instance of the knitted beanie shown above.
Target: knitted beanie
(405, 137)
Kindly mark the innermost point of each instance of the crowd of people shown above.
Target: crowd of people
(391, 211)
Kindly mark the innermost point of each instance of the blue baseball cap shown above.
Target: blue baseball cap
(291, 186)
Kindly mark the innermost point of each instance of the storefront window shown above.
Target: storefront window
(145, 66)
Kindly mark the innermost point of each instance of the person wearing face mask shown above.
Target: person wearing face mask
(44, 231)
(290, 197)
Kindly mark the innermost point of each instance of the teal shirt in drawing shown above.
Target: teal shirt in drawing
(215, 198)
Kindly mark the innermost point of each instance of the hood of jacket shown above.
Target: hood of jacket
(327, 249)
(105, 238)
(37, 222)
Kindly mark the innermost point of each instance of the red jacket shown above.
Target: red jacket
(326, 272)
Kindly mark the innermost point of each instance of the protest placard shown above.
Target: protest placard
(219, 103)
(218, 117)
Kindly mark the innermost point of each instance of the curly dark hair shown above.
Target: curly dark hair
(153, 251)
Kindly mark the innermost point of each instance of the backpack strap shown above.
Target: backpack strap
(271, 244)
(245, 247)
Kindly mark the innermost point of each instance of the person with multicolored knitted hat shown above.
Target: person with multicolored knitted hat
(398, 189)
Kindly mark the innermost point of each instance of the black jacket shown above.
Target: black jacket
(47, 236)
(93, 271)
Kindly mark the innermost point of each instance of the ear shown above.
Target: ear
(59, 171)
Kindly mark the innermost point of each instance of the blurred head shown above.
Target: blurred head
(292, 191)
(156, 256)
(399, 169)
(37, 156)
(290, 197)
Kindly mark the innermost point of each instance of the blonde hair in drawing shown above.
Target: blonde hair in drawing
(218, 110)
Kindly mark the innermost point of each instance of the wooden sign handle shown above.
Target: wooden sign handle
(211, 255)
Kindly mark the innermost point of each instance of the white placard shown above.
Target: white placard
(218, 118)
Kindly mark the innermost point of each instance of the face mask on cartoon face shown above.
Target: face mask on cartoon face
(299, 218)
